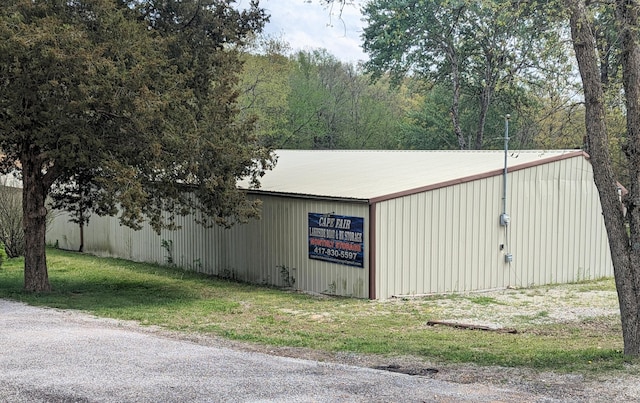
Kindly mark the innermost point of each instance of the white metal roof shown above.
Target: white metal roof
(368, 175)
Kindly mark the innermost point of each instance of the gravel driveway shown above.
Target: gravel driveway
(51, 355)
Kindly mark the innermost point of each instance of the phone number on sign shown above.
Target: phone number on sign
(342, 254)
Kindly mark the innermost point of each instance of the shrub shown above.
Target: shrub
(11, 231)
(3, 254)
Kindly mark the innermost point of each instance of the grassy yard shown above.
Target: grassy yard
(184, 301)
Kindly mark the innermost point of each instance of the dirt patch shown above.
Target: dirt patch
(590, 305)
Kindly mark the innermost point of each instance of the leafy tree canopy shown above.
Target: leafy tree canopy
(137, 98)
(479, 48)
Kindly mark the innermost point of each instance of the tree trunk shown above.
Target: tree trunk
(627, 17)
(455, 106)
(625, 268)
(36, 278)
(81, 248)
(485, 100)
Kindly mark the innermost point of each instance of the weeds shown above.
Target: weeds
(191, 302)
(228, 274)
(484, 300)
(287, 276)
(3, 254)
(11, 231)
(167, 245)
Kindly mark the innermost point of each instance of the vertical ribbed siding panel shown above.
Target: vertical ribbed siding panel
(516, 271)
(495, 267)
(566, 216)
(485, 219)
(549, 221)
(280, 239)
(384, 248)
(465, 246)
(556, 233)
(408, 253)
(414, 256)
(476, 202)
(61, 234)
(439, 249)
(395, 252)
(574, 216)
(443, 275)
(520, 201)
(581, 171)
(453, 237)
(251, 252)
(431, 235)
(477, 207)
(585, 227)
(420, 228)
(557, 229)
(439, 241)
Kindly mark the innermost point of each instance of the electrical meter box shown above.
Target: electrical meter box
(504, 219)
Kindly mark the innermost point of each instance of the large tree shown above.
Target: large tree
(624, 242)
(140, 95)
(605, 36)
(480, 48)
(265, 87)
(311, 100)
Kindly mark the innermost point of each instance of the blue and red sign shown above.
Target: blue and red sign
(337, 239)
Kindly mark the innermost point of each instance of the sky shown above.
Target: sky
(306, 25)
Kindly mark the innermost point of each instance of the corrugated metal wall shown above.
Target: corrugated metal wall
(449, 239)
(10, 181)
(254, 252)
(444, 240)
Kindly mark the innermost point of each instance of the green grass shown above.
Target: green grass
(190, 302)
(484, 300)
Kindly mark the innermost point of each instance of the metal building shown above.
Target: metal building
(383, 224)
(10, 180)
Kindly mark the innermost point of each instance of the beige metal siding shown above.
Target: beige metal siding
(449, 239)
(253, 252)
(431, 240)
(10, 180)
(559, 227)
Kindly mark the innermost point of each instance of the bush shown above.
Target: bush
(3, 254)
(11, 231)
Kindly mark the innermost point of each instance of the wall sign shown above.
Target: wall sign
(337, 239)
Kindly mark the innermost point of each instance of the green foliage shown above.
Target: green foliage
(483, 300)
(3, 254)
(81, 195)
(167, 245)
(129, 104)
(482, 51)
(11, 231)
(265, 88)
(311, 100)
(287, 276)
(429, 127)
(190, 302)
(122, 109)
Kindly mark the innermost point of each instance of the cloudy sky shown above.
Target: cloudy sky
(305, 25)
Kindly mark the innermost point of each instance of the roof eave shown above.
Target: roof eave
(480, 176)
(306, 196)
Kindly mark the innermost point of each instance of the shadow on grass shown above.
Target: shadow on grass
(86, 283)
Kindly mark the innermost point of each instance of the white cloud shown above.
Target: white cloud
(308, 26)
